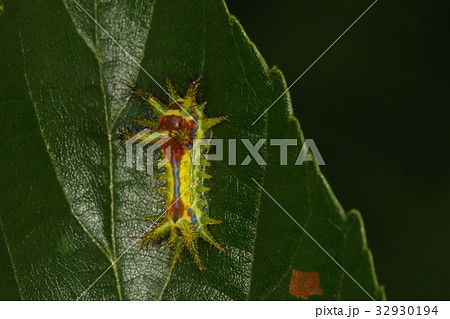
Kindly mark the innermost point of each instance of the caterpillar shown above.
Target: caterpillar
(179, 124)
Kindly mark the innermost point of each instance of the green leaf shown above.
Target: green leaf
(70, 207)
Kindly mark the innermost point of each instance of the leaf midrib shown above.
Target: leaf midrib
(112, 257)
(109, 128)
(110, 155)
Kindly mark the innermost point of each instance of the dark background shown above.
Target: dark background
(377, 107)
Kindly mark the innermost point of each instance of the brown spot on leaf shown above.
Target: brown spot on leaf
(304, 284)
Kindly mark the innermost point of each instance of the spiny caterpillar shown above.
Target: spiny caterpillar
(179, 123)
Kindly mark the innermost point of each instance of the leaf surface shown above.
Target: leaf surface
(71, 209)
